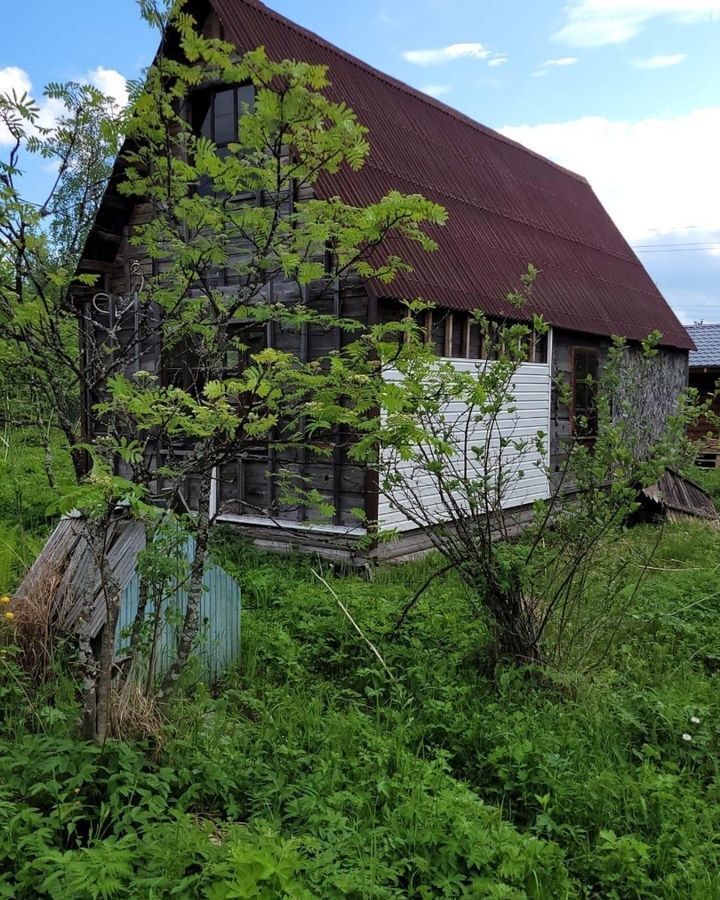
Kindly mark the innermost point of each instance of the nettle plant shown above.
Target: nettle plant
(453, 460)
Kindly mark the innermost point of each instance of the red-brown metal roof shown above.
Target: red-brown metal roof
(507, 206)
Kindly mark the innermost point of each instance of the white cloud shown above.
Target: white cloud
(443, 55)
(661, 61)
(110, 82)
(436, 90)
(592, 23)
(559, 63)
(12, 79)
(498, 60)
(653, 176)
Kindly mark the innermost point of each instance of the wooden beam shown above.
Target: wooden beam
(372, 478)
(95, 265)
(337, 450)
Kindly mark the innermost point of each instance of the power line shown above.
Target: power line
(678, 244)
(680, 249)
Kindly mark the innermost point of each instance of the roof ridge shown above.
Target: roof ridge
(403, 86)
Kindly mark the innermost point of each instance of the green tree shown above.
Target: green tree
(40, 242)
(452, 461)
(248, 208)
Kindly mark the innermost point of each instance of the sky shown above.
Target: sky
(626, 92)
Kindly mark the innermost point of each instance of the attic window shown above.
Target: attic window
(216, 113)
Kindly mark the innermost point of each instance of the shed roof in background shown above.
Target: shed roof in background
(507, 206)
(707, 342)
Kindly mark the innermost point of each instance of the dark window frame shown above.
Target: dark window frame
(458, 329)
(588, 411)
(212, 92)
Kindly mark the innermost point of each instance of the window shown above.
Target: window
(458, 335)
(216, 113)
(438, 330)
(458, 349)
(475, 345)
(584, 393)
(181, 367)
(538, 348)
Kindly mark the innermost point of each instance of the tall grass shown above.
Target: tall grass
(308, 772)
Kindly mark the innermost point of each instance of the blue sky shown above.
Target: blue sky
(627, 92)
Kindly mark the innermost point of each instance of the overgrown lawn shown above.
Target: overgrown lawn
(309, 772)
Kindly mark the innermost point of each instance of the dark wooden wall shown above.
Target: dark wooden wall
(250, 485)
(654, 398)
(704, 379)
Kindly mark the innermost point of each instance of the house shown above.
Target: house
(507, 207)
(704, 373)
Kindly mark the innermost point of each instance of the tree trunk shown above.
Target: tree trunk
(139, 619)
(104, 659)
(516, 627)
(89, 669)
(191, 623)
(107, 658)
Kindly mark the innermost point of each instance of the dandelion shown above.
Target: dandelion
(9, 616)
(687, 737)
(695, 720)
(4, 600)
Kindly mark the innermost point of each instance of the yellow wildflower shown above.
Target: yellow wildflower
(9, 616)
(4, 600)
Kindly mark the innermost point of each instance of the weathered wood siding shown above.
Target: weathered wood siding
(704, 379)
(654, 396)
(248, 486)
(531, 414)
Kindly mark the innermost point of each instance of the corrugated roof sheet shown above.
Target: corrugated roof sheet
(677, 495)
(507, 206)
(707, 341)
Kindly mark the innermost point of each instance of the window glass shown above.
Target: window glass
(245, 99)
(439, 330)
(584, 394)
(224, 118)
(458, 335)
(492, 346)
(216, 113)
(181, 367)
(202, 113)
(249, 338)
(540, 348)
(475, 351)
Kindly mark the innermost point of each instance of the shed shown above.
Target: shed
(677, 497)
(65, 572)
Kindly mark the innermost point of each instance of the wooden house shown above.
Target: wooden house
(704, 374)
(507, 207)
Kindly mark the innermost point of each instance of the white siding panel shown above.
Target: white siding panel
(532, 387)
